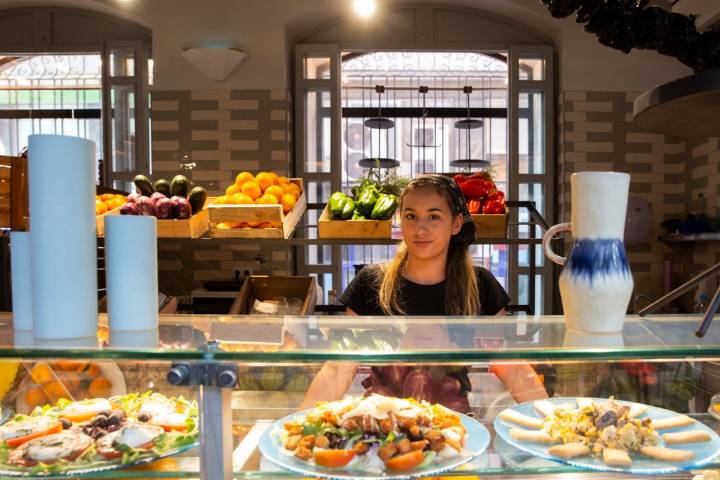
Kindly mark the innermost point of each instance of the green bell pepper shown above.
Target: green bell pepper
(348, 209)
(384, 208)
(337, 203)
(358, 216)
(366, 201)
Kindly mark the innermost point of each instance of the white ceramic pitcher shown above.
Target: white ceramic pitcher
(596, 284)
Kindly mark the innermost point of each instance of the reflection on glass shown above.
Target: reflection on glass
(122, 128)
(122, 62)
(531, 132)
(532, 69)
(317, 133)
(316, 67)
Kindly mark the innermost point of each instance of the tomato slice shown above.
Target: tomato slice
(333, 458)
(170, 428)
(406, 461)
(16, 442)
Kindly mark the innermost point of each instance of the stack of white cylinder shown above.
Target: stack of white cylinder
(54, 266)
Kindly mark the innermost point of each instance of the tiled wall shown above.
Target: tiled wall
(596, 132)
(224, 132)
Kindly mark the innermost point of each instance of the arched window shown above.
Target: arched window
(446, 49)
(77, 72)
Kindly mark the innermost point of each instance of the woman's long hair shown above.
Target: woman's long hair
(461, 288)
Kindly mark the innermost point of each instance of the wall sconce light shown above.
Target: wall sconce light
(215, 63)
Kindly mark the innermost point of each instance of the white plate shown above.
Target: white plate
(705, 452)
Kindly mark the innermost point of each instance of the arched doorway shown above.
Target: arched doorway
(446, 49)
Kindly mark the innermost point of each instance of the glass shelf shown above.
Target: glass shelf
(378, 340)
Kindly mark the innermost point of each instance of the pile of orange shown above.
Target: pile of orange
(74, 380)
(108, 201)
(265, 188)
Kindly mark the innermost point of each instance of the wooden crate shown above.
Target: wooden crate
(14, 193)
(257, 213)
(329, 228)
(267, 288)
(490, 226)
(193, 227)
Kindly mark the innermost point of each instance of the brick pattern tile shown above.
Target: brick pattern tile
(223, 132)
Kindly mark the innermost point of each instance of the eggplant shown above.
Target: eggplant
(458, 403)
(156, 197)
(393, 376)
(419, 385)
(129, 209)
(380, 390)
(448, 386)
(181, 207)
(164, 208)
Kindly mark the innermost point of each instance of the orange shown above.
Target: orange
(264, 179)
(253, 224)
(55, 391)
(283, 180)
(68, 365)
(275, 191)
(275, 178)
(242, 199)
(252, 190)
(100, 207)
(294, 188)
(287, 187)
(100, 387)
(223, 226)
(267, 199)
(243, 177)
(42, 374)
(93, 370)
(288, 202)
(70, 380)
(35, 397)
(221, 200)
(106, 196)
(232, 190)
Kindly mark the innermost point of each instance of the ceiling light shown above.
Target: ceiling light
(364, 8)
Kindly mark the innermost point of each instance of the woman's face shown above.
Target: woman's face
(427, 223)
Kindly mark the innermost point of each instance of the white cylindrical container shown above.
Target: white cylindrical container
(20, 271)
(63, 240)
(135, 338)
(131, 271)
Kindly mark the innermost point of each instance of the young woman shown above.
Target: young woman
(431, 274)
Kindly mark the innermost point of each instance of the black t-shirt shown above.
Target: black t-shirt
(361, 296)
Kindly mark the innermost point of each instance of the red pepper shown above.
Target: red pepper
(460, 179)
(496, 196)
(474, 205)
(477, 188)
(481, 175)
(493, 207)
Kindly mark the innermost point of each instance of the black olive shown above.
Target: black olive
(144, 417)
(104, 413)
(99, 432)
(608, 418)
(118, 413)
(114, 419)
(65, 423)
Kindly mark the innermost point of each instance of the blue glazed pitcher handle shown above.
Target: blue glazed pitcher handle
(551, 232)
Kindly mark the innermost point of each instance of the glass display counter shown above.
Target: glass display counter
(248, 372)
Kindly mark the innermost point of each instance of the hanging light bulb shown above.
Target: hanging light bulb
(364, 8)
